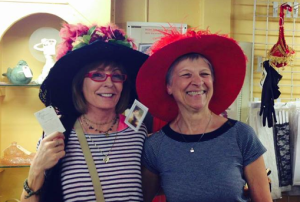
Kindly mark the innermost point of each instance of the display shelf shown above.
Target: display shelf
(2, 84)
(7, 166)
(265, 36)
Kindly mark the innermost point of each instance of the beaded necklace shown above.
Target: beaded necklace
(85, 120)
(106, 157)
(99, 124)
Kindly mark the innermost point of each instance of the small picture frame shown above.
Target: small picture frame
(136, 115)
(143, 47)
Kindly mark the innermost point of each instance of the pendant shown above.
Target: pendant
(106, 159)
(192, 150)
(106, 134)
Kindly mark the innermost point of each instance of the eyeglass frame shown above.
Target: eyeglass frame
(90, 74)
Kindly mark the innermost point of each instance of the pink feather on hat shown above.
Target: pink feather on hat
(76, 36)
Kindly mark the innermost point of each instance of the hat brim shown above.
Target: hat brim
(226, 56)
(58, 84)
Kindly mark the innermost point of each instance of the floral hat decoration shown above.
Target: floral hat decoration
(82, 45)
(226, 56)
(77, 36)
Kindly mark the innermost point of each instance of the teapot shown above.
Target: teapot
(21, 74)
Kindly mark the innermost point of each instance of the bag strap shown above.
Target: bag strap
(90, 162)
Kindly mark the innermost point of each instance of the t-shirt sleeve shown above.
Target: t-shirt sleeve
(150, 152)
(249, 144)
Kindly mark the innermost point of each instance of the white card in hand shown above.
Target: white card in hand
(49, 120)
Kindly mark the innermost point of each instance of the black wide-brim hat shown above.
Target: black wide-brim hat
(56, 90)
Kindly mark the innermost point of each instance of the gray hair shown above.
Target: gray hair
(190, 56)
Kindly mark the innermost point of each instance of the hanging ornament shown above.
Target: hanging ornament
(281, 54)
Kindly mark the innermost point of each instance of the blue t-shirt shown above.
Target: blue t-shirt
(214, 172)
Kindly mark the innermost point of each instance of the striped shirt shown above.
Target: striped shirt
(120, 177)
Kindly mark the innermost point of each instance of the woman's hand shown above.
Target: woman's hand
(51, 149)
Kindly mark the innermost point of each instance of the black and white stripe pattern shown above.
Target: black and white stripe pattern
(120, 177)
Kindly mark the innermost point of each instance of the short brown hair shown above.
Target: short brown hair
(77, 85)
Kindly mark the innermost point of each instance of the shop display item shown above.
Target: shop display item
(281, 54)
(15, 155)
(48, 49)
(21, 74)
(270, 92)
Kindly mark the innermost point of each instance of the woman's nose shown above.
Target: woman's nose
(197, 80)
(108, 81)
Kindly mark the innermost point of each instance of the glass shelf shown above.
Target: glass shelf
(4, 85)
(7, 166)
(14, 85)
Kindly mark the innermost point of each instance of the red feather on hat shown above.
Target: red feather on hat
(172, 34)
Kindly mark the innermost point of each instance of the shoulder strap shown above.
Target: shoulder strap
(90, 163)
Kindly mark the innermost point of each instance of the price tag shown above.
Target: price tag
(27, 72)
(49, 121)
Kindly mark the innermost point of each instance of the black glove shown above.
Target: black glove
(270, 92)
(268, 112)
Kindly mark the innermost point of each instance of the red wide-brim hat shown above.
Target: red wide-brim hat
(225, 55)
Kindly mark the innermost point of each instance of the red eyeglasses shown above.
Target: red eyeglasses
(100, 77)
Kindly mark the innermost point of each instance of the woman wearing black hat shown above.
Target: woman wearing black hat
(198, 156)
(90, 86)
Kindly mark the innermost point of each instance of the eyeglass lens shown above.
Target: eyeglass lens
(98, 76)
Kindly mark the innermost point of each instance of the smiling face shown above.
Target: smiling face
(191, 84)
(103, 95)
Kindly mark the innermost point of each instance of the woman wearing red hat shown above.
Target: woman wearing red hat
(188, 80)
(90, 86)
